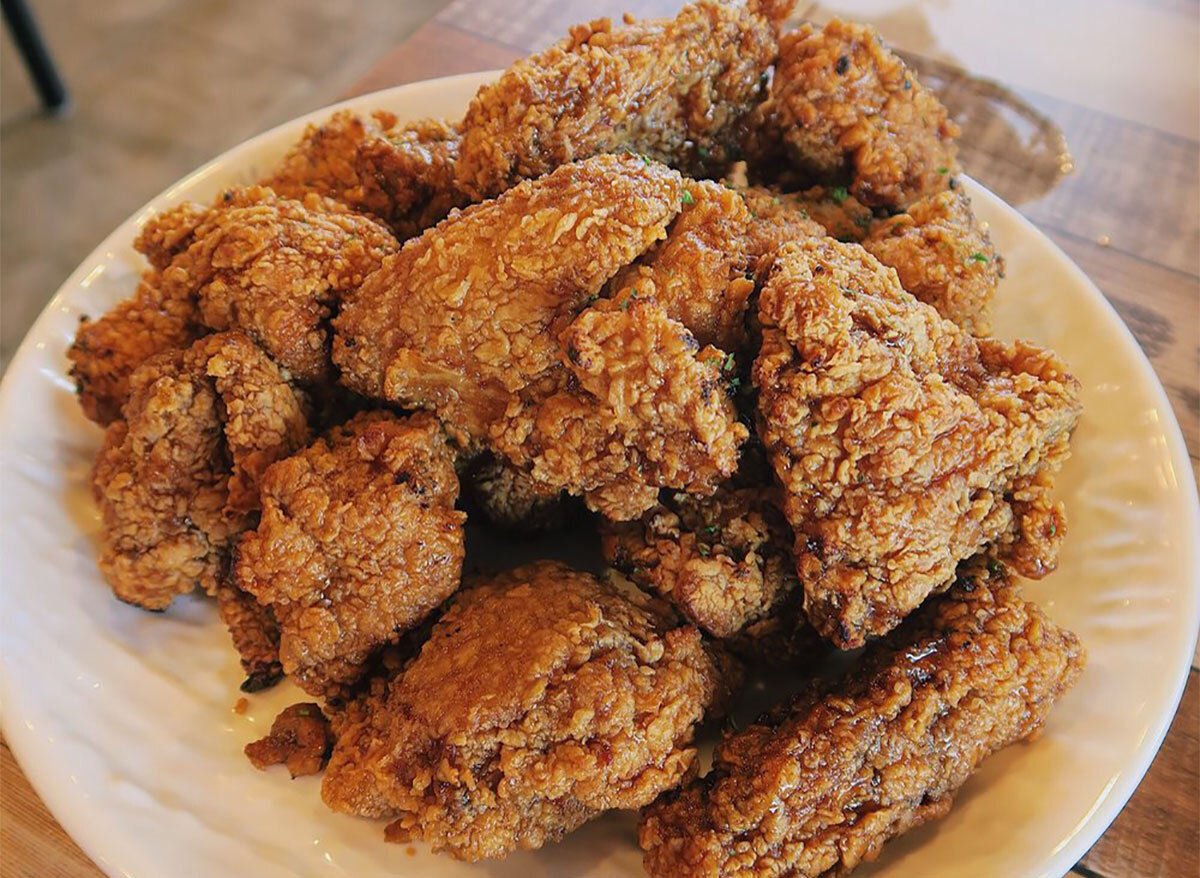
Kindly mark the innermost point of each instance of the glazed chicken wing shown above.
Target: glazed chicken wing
(668, 88)
(903, 444)
(845, 111)
(465, 318)
(543, 698)
(177, 477)
(359, 542)
(816, 788)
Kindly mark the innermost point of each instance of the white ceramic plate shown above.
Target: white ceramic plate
(123, 720)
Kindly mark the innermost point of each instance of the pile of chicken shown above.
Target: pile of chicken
(715, 279)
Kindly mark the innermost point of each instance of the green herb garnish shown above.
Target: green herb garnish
(840, 195)
(687, 197)
(943, 171)
(978, 257)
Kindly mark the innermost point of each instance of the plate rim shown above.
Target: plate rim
(88, 835)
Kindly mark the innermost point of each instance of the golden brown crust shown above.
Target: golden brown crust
(402, 175)
(276, 268)
(165, 235)
(903, 444)
(776, 219)
(668, 88)
(413, 169)
(724, 561)
(819, 787)
(107, 351)
(300, 738)
(359, 541)
(507, 736)
(943, 257)
(176, 479)
(846, 111)
(466, 317)
(699, 272)
(644, 407)
(255, 636)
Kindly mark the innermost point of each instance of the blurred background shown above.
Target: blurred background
(158, 87)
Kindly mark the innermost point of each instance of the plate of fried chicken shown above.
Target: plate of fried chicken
(656, 457)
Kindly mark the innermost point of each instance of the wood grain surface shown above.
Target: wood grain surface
(1127, 210)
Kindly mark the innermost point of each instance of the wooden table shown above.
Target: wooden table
(1117, 82)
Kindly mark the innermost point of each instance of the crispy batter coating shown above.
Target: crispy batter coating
(846, 111)
(943, 257)
(413, 169)
(903, 444)
(644, 408)
(300, 738)
(107, 350)
(255, 636)
(402, 175)
(723, 560)
(668, 88)
(276, 268)
(359, 541)
(508, 736)
(466, 317)
(165, 235)
(775, 219)
(513, 501)
(699, 272)
(176, 479)
(818, 787)
(325, 161)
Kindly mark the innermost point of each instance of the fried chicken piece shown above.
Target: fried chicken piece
(107, 351)
(507, 736)
(818, 787)
(412, 168)
(165, 235)
(943, 257)
(844, 110)
(300, 738)
(402, 175)
(702, 272)
(325, 161)
(176, 479)
(512, 501)
(699, 271)
(276, 268)
(904, 445)
(255, 636)
(668, 88)
(465, 318)
(643, 408)
(724, 561)
(359, 541)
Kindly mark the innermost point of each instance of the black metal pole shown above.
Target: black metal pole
(37, 59)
